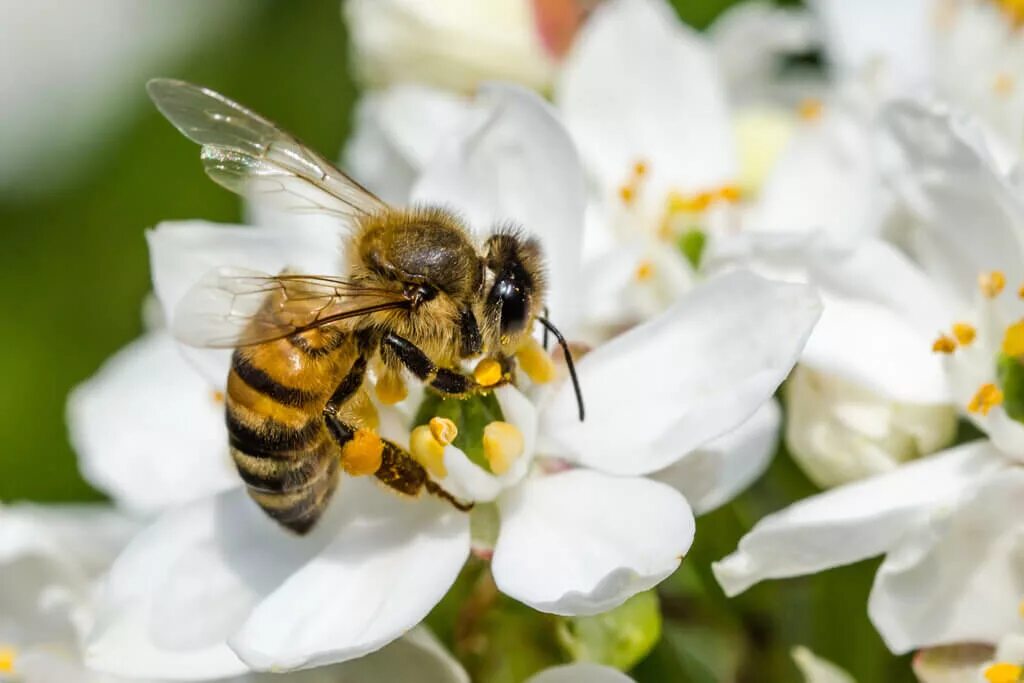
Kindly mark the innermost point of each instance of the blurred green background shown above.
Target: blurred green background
(74, 271)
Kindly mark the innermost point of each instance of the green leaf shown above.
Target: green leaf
(620, 637)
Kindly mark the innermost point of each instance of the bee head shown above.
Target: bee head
(514, 288)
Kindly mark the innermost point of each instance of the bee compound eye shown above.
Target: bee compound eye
(512, 300)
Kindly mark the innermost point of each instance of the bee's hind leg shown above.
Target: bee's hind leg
(401, 472)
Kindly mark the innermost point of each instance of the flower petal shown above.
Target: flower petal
(720, 470)
(855, 521)
(516, 163)
(641, 86)
(149, 430)
(580, 673)
(669, 386)
(949, 180)
(582, 542)
(383, 569)
(816, 669)
(958, 580)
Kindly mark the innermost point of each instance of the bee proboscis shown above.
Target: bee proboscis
(418, 295)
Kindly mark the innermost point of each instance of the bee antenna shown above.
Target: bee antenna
(568, 361)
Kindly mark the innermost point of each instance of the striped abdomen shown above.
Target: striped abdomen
(275, 398)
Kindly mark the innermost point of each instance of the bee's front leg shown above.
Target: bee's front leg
(445, 380)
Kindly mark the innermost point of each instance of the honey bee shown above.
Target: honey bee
(418, 294)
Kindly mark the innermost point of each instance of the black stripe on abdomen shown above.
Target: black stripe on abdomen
(260, 381)
(272, 439)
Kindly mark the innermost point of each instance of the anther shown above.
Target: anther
(217, 396)
(443, 430)
(487, 372)
(7, 656)
(1003, 84)
(644, 271)
(503, 444)
(1002, 672)
(810, 109)
(391, 389)
(362, 454)
(640, 168)
(627, 193)
(730, 193)
(992, 283)
(427, 450)
(964, 333)
(985, 399)
(1013, 340)
(535, 362)
(944, 344)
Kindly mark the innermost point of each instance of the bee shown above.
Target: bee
(418, 295)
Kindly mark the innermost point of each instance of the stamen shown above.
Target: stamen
(644, 271)
(535, 362)
(992, 283)
(944, 344)
(1003, 85)
(810, 109)
(964, 333)
(985, 399)
(443, 430)
(487, 372)
(362, 454)
(217, 396)
(730, 193)
(7, 656)
(503, 444)
(1013, 340)
(391, 389)
(640, 168)
(427, 450)
(1002, 672)
(627, 193)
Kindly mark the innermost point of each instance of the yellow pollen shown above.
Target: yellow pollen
(992, 283)
(1020, 292)
(1014, 11)
(985, 399)
(640, 168)
(1003, 84)
(217, 396)
(964, 333)
(503, 444)
(627, 193)
(535, 362)
(1013, 340)
(487, 372)
(644, 271)
(391, 389)
(1002, 672)
(944, 344)
(729, 193)
(427, 450)
(362, 454)
(7, 656)
(443, 430)
(810, 109)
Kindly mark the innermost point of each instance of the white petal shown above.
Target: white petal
(958, 579)
(149, 430)
(417, 657)
(720, 470)
(515, 163)
(855, 521)
(582, 542)
(580, 673)
(818, 670)
(861, 34)
(388, 563)
(949, 180)
(639, 85)
(674, 383)
(396, 133)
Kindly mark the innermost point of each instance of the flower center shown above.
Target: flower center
(1002, 672)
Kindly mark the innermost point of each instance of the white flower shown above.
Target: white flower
(949, 525)
(215, 587)
(453, 44)
(818, 670)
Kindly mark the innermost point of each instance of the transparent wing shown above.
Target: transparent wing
(251, 156)
(233, 307)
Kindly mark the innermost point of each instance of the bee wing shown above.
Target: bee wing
(233, 307)
(253, 157)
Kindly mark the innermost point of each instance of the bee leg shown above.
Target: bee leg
(401, 472)
(361, 449)
(412, 357)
